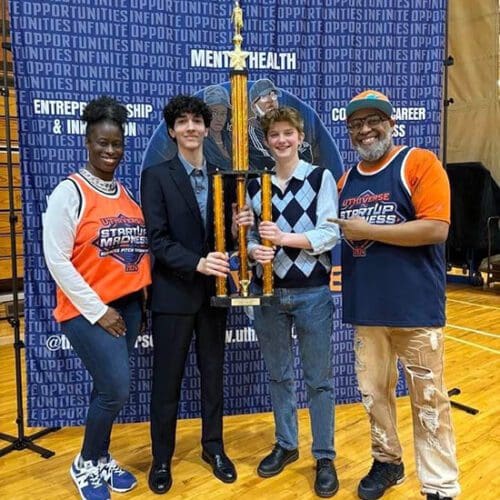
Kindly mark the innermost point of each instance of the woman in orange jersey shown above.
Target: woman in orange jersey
(96, 249)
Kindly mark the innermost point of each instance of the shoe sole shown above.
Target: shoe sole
(204, 456)
(368, 496)
(121, 490)
(327, 494)
(289, 460)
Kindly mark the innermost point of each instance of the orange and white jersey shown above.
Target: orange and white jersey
(95, 245)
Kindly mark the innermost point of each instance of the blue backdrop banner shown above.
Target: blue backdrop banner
(315, 55)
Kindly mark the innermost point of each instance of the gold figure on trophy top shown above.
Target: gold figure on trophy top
(237, 20)
(237, 56)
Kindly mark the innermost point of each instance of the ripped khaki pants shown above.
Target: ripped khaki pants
(420, 351)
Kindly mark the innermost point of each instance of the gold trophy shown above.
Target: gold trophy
(239, 102)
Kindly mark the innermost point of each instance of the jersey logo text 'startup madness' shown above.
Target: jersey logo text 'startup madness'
(375, 209)
(123, 238)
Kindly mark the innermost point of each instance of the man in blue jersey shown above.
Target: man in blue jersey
(394, 213)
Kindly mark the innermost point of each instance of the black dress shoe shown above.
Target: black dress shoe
(326, 483)
(275, 462)
(222, 467)
(160, 478)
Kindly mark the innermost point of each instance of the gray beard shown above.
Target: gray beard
(377, 150)
(259, 112)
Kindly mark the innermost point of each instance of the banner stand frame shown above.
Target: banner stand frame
(20, 441)
(447, 62)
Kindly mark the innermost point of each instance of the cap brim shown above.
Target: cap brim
(225, 104)
(268, 91)
(383, 106)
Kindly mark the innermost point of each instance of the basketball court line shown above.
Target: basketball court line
(473, 344)
(472, 304)
(471, 330)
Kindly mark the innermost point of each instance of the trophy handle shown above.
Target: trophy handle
(267, 215)
(220, 241)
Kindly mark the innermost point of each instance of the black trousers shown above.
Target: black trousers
(172, 336)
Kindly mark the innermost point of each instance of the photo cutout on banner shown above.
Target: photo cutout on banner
(318, 148)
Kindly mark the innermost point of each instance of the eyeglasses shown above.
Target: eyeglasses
(371, 120)
(272, 96)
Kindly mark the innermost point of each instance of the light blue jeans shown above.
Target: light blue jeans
(309, 311)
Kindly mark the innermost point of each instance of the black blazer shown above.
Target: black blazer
(178, 238)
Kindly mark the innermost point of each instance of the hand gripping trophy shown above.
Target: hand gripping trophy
(241, 172)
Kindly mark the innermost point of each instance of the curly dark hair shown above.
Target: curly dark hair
(182, 104)
(104, 108)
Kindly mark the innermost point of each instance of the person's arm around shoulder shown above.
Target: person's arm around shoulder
(430, 193)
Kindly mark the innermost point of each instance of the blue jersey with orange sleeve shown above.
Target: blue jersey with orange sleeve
(389, 285)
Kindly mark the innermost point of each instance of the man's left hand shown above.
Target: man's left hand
(355, 228)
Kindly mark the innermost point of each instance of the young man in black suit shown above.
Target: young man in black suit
(177, 203)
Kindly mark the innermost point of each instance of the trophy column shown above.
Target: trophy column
(239, 99)
(241, 172)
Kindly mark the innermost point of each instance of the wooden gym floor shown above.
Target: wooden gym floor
(472, 364)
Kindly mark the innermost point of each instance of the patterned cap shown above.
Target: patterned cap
(215, 94)
(370, 99)
(261, 88)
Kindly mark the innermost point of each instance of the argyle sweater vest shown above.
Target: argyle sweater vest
(294, 211)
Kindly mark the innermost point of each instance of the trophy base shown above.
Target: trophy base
(238, 301)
